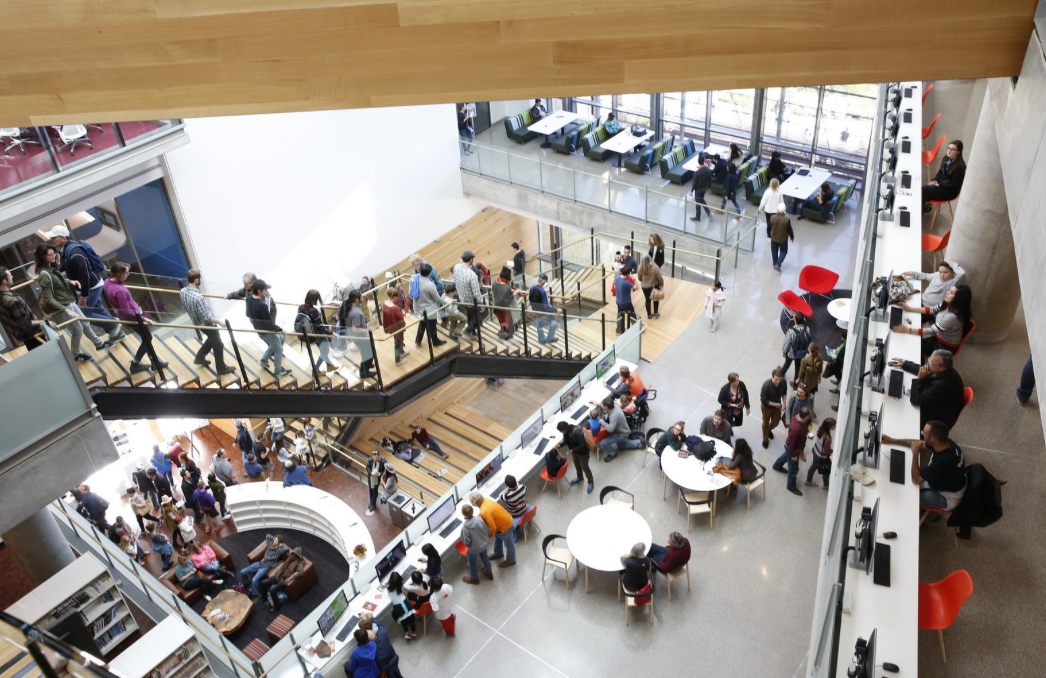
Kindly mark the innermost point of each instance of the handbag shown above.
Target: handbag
(145, 510)
(829, 368)
(658, 294)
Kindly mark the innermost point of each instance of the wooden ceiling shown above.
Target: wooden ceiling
(70, 61)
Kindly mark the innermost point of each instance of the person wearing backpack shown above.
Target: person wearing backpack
(309, 322)
(796, 345)
(81, 263)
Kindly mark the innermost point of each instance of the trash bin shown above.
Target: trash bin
(403, 510)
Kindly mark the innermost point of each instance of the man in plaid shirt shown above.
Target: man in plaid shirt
(200, 313)
(467, 284)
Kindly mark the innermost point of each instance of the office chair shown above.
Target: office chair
(15, 135)
(71, 135)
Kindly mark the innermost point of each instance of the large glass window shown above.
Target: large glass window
(634, 108)
(593, 107)
(732, 116)
(25, 157)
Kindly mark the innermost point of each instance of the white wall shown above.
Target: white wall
(504, 109)
(302, 199)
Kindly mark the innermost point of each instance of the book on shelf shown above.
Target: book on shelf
(111, 634)
(174, 662)
(109, 615)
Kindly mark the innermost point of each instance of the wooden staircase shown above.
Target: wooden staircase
(17, 663)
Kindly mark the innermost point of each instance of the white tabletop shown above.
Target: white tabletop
(624, 141)
(797, 186)
(554, 122)
(600, 535)
(839, 309)
(691, 473)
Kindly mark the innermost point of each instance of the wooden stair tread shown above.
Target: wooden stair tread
(290, 382)
(184, 375)
(457, 461)
(104, 361)
(205, 373)
(21, 665)
(409, 472)
(433, 462)
(465, 413)
(463, 437)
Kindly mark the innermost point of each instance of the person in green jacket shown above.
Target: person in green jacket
(60, 301)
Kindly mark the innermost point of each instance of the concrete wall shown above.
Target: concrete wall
(303, 199)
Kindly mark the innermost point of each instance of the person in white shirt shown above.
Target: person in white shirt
(948, 274)
(443, 604)
(772, 197)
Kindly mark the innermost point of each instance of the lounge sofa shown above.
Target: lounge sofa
(643, 160)
(672, 163)
(297, 588)
(827, 212)
(192, 595)
(743, 171)
(516, 127)
(570, 140)
(591, 143)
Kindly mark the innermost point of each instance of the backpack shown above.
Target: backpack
(303, 324)
(589, 440)
(94, 262)
(804, 343)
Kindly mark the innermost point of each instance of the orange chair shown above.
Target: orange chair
(939, 603)
(935, 243)
(559, 476)
(927, 131)
(794, 303)
(956, 348)
(967, 398)
(926, 92)
(528, 519)
(937, 209)
(930, 156)
(817, 280)
(424, 611)
(462, 550)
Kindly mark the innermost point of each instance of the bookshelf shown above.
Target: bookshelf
(83, 590)
(170, 650)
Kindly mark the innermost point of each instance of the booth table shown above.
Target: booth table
(600, 535)
(800, 187)
(623, 142)
(552, 123)
(692, 474)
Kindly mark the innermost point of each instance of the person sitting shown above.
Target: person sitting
(189, 579)
(717, 427)
(595, 426)
(362, 663)
(254, 470)
(671, 557)
(947, 182)
(255, 572)
(618, 431)
(388, 483)
(538, 111)
(160, 544)
(295, 474)
(942, 482)
(719, 168)
(673, 437)
(554, 461)
(402, 610)
(743, 460)
(819, 202)
(636, 568)
(417, 589)
(405, 451)
(286, 572)
(514, 499)
(426, 441)
(611, 126)
(951, 321)
(948, 274)
(626, 404)
(777, 169)
(205, 560)
(937, 390)
(628, 383)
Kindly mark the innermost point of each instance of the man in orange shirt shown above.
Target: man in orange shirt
(499, 522)
(629, 383)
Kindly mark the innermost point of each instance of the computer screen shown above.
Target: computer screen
(391, 560)
(440, 515)
(488, 471)
(605, 364)
(532, 431)
(333, 613)
(568, 398)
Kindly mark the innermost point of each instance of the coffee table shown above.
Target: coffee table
(840, 310)
(233, 603)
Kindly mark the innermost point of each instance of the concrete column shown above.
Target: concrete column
(982, 239)
(39, 547)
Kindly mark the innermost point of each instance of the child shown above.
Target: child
(626, 404)
(715, 297)
(595, 425)
(443, 605)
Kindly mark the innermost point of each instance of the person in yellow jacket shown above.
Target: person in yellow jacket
(499, 522)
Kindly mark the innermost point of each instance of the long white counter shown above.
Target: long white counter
(269, 505)
(893, 611)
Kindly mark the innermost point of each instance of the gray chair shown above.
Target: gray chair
(71, 136)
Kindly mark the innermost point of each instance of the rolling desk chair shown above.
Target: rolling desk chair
(71, 135)
(15, 135)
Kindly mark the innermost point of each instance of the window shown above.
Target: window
(593, 107)
(732, 114)
(634, 108)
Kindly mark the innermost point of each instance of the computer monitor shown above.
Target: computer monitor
(532, 431)
(333, 613)
(886, 197)
(605, 364)
(861, 556)
(488, 471)
(882, 300)
(568, 398)
(863, 663)
(441, 514)
(873, 439)
(393, 558)
(879, 360)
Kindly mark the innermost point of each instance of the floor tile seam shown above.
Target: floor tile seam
(802, 663)
(1008, 454)
(497, 632)
(476, 653)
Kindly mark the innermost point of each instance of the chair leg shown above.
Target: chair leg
(748, 496)
(944, 657)
(923, 519)
(543, 570)
(559, 491)
(664, 492)
(936, 210)
(668, 585)
(688, 576)
(955, 535)
(566, 574)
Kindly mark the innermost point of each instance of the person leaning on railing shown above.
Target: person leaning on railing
(200, 314)
(16, 316)
(127, 309)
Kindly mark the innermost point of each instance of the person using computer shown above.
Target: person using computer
(948, 274)
(629, 382)
(937, 390)
(942, 482)
(499, 523)
(433, 561)
(514, 499)
(952, 320)
(402, 611)
(574, 442)
(618, 431)
(385, 657)
(475, 536)
(362, 663)
(716, 426)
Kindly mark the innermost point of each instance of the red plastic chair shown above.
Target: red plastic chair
(935, 243)
(967, 398)
(817, 280)
(926, 92)
(930, 156)
(528, 519)
(461, 549)
(794, 303)
(424, 611)
(937, 209)
(939, 603)
(559, 476)
(956, 348)
(927, 131)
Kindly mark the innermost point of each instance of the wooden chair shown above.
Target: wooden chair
(697, 503)
(681, 571)
(760, 481)
(559, 476)
(631, 598)
(528, 519)
(937, 210)
(556, 556)
(613, 493)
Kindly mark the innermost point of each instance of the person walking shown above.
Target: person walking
(475, 536)
(466, 129)
(16, 316)
(128, 309)
(794, 449)
(780, 232)
(519, 263)
(375, 470)
(810, 368)
(429, 300)
(467, 284)
(702, 182)
(771, 400)
(623, 288)
(768, 204)
(392, 319)
(353, 324)
(545, 318)
(200, 314)
(162, 485)
(574, 443)
(796, 345)
(315, 326)
(59, 297)
(715, 297)
(730, 183)
(259, 311)
(653, 285)
(81, 263)
(822, 461)
(145, 483)
(733, 399)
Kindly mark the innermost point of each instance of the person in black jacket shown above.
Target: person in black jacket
(734, 400)
(947, 182)
(657, 249)
(771, 399)
(76, 264)
(574, 440)
(145, 483)
(938, 389)
(162, 485)
(188, 487)
(818, 202)
(519, 262)
(636, 572)
(259, 313)
(730, 182)
(702, 182)
(777, 169)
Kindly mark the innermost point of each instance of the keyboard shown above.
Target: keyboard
(580, 412)
(897, 466)
(407, 572)
(451, 526)
(347, 629)
(497, 492)
(612, 381)
(541, 446)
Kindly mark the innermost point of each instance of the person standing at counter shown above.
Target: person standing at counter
(574, 441)
(362, 664)
(499, 523)
(375, 469)
(443, 605)
(475, 536)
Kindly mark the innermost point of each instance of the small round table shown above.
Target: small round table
(233, 603)
(840, 310)
(600, 535)
(691, 473)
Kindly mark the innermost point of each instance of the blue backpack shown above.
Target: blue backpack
(94, 262)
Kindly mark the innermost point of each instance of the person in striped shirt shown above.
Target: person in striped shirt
(514, 499)
(951, 321)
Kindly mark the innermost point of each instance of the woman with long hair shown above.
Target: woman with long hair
(743, 460)
(504, 295)
(737, 156)
(772, 197)
(127, 308)
(59, 296)
(650, 279)
(733, 399)
(401, 607)
(947, 182)
(657, 249)
(822, 457)
(310, 309)
(715, 297)
(951, 320)
(433, 561)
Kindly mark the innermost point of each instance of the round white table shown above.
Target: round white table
(840, 310)
(692, 474)
(600, 535)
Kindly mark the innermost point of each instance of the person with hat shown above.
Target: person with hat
(294, 474)
(201, 314)
(81, 263)
(546, 322)
(467, 284)
(145, 483)
(259, 312)
(245, 292)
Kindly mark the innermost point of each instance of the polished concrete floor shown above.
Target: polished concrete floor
(750, 606)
